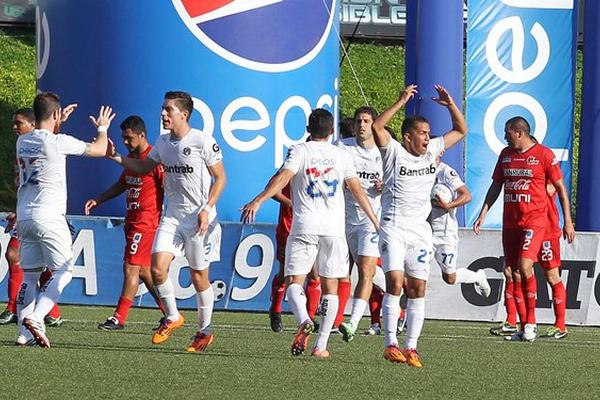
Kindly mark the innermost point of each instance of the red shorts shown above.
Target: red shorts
(549, 255)
(281, 241)
(13, 243)
(521, 243)
(138, 247)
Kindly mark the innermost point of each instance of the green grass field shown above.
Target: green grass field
(248, 361)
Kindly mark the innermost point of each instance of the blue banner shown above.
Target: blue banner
(520, 61)
(241, 280)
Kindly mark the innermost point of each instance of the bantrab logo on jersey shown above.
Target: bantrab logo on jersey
(263, 35)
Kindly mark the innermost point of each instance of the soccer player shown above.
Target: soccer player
(363, 240)
(144, 206)
(445, 230)
(523, 169)
(44, 235)
(194, 180)
(405, 239)
(316, 169)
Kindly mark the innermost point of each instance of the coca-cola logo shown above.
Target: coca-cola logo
(521, 184)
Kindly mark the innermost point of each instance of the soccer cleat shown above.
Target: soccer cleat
(505, 329)
(556, 333)
(276, 323)
(334, 331)
(483, 284)
(8, 317)
(412, 358)
(301, 338)
(515, 337)
(38, 331)
(111, 324)
(322, 354)
(373, 330)
(160, 322)
(54, 322)
(348, 330)
(394, 354)
(166, 329)
(530, 332)
(200, 343)
(25, 339)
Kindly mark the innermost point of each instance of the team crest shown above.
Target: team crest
(187, 151)
(531, 160)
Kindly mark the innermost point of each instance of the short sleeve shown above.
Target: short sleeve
(453, 179)
(294, 159)
(69, 145)
(553, 171)
(436, 146)
(348, 164)
(211, 151)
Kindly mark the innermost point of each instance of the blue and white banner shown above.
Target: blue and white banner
(520, 61)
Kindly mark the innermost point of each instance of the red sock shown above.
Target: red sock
(123, 309)
(313, 297)
(559, 296)
(15, 278)
(375, 306)
(520, 303)
(277, 293)
(509, 303)
(530, 293)
(55, 312)
(343, 295)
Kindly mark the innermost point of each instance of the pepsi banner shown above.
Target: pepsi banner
(254, 68)
(520, 61)
(242, 279)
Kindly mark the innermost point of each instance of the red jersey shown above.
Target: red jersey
(553, 229)
(285, 215)
(524, 176)
(144, 196)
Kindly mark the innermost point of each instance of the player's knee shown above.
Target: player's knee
(450, 279)
(12, 256)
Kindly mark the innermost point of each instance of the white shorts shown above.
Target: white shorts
(330, 252)
(445, 252)
(407, 249)
(178, 240)
(363, 240)
(45, 244)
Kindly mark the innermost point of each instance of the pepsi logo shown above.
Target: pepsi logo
(263, 35)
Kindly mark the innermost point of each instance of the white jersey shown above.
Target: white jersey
(42, 155)
(444, 222)
(317, 196)
(367, 163)
(187, 179)
(407, 183)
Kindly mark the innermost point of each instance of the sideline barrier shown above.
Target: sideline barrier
(242, 279)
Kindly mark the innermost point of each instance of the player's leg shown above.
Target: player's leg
(15, 278)
(146, 277)
(53, 318)
(278, 287)
(549, 259)
(509, 326)
(531, 243)
(313, 291)
(376, 301)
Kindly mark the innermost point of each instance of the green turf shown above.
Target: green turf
(247, 360)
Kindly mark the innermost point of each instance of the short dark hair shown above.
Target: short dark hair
(320, 123)
(411, 122)
(519, 123)
(346, 128)
(366, 110)
(44, 105)
(183, 101)
(135, 123)
(27, 113)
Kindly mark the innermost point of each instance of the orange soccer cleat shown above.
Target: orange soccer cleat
(412, 358)
(166, 329)
(200, 343)
(394, 354)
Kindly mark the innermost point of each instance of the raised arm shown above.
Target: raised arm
(217, 171)
(490, 198)
(380, 134)
(276, 183)
(115, 190)
(353, 184)
(563, 197)
(459, 125)
(99, 147)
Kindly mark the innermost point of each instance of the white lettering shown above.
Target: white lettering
(547, 4)
(260, 273)
(84, 244)
(282, 140)
(228, 126)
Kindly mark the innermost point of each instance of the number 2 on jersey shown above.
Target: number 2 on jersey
(29, 170)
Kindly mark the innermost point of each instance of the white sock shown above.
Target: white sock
(358, 310)
(26, 296)
(329, 308)
(205, 300)
(415, 317)
(391, 313)
(464, 275)
(50, 293)
(166, 292)
(297, 301)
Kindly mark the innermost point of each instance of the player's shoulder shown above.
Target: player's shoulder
(346, 142)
